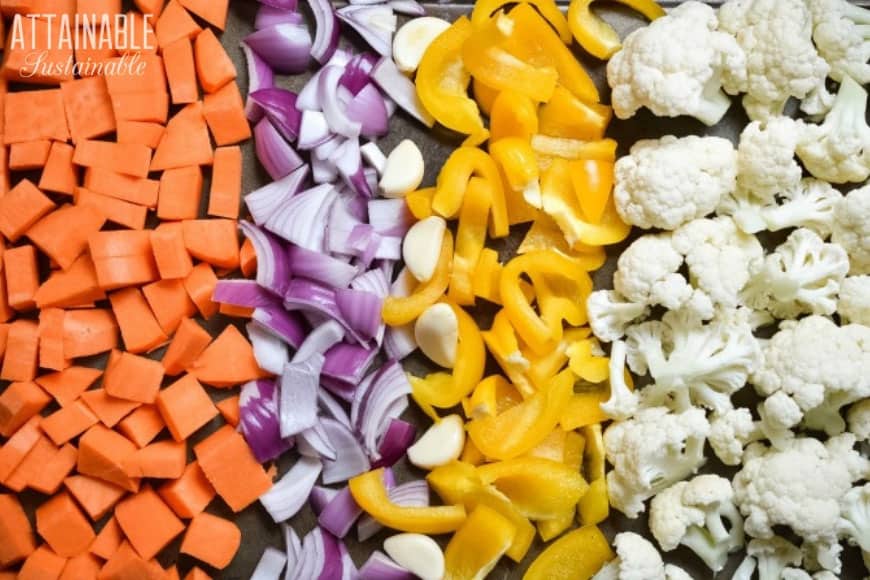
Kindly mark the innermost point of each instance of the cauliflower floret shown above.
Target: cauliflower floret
(667, 182)
(636, 559)
(841, 35)
(853, 305)
(694, 513)
(798, 574)
(646, 273)
(678, 65)
(818, 364)
(838, 150)
(650, 452)
(812, 204)
(730, 432)
(802, 275)
(771, 556)
(623, 402)
(852, 229)
(855, 516)
(765, 157)
(720, 257)
(781, 61)
(692, 362)
(858, 417)
(609, 313)
(799, 486)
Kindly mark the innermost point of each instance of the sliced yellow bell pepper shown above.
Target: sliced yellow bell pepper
(593, 454)
(460, 167)
(420, 202)
(586, 365)
(561, 297)
(513, 115)
(540, 488)
(485, 9)
(501, 341)
(552, 447)
(542, 368)
(470, 239)
(549, 529)
(471, 454)
(574, 445)
(602, 149)
(442, 84)
(486, 56)
(564, 115)
(522, 427)
(584, 408)
(593, 185)
(371, 496)
(594, 507)
(493, 395)
(519, 166)
(578, 555)
(432, 382)
(402, 310)
(485, 278)
(546, 235)
(478, 545)
(533, 40)
(454, 482)
(467, 370)
(596, 36)
(484, 95)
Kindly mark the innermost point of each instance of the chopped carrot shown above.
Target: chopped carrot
(16, 536)
(59, 173)
(63, 234)
(34, 115)
(180, 71)
(10, 7)
(213, 65)
(92, 57)
(113, 209)
(89, 331)
(224, 112)
(148, 107)
(69, 422)
(22, 207)
(147, 134)
(212, 11)
(212, 540)
(229, 465)
(180, 193)
(161, 460)
(188, 343)
(109, 409)
(142, 425)
(82, 567)
(215, 241)
(4, 335)
(200, 285)
(50, 477)
(6, 312)
(22, 277)
(18, 403)
(134, 378)
(229, 409)
(75, 286)
(186, 141)
(102, 452)
(109, 538)
(139, 328)
(190, 494)
(4, 168)
(173, 260)
(42, 564)
(18, 446)
(51, 333)
(174, 23)
(96, 9)
(123, 258)
(247, 259)
(234, 311)
(67, 385)
(126, 187)
(170, 303)
(22, 350)
(139, 37)
(152, 7)
(197, 573)
(226, 184)
(227, 361)
(172, 573)
(147, 77)
(38, 37)
(95, 496)
(28, 155)
(88, 108)
(185, 407)
(32, 465)
(125, 564)
(63, 526)
(147, 522)
(127, 158)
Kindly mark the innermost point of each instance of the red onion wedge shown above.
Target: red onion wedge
(285, 47)
(280, 107)
(290, 493)
(260, 76)
(379, 566)
(326, 30)
(400, 89)
(298, 395)
(268, 16)
(258, 420)
(278, 158)
(375, 23)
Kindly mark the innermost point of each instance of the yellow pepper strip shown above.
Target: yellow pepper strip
(402, 310)
(602, 149)
(460, 167)
(514, 115)
(584, 408)
(593, 184)
(470, 239)
(370, 494)
(478, 545)
(586, 365)
(594, 507)
(519, 166)
(501, 341)
(519, 429)
(564, 115)
(454, 482)
(491, 396)
(549, 529)
(486, 56)
(543, 368)
(593, 454)
(552, 447)
(442, 84)
(546, 235)
(541, 489)
(533, 40)
(484, 95)
(596, 36)
(420, 202)
(578, 555)
(574, 445)
(484, 10)
(471, 454)
(573, 458)
(485, 278)
(467, 371)
(561, 297)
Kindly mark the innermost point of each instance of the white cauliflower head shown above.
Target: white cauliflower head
(636, 559)
(678, 65)
(609, 313)
(858, 417)
(730, 432)
(811, 204)
(855, 516)
(766, 165)
(853, 305)
(650, 452)
(667, 182)
(647, 273)
(781, 61)
(771, 556)
(852, 229)
(623, 402)
(841, 35)
(694, 514)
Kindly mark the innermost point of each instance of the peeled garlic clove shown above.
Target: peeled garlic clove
(419, 554)
(437, 333)
(440, 444)
(403, 171)
(412, 40)
(421, 247)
